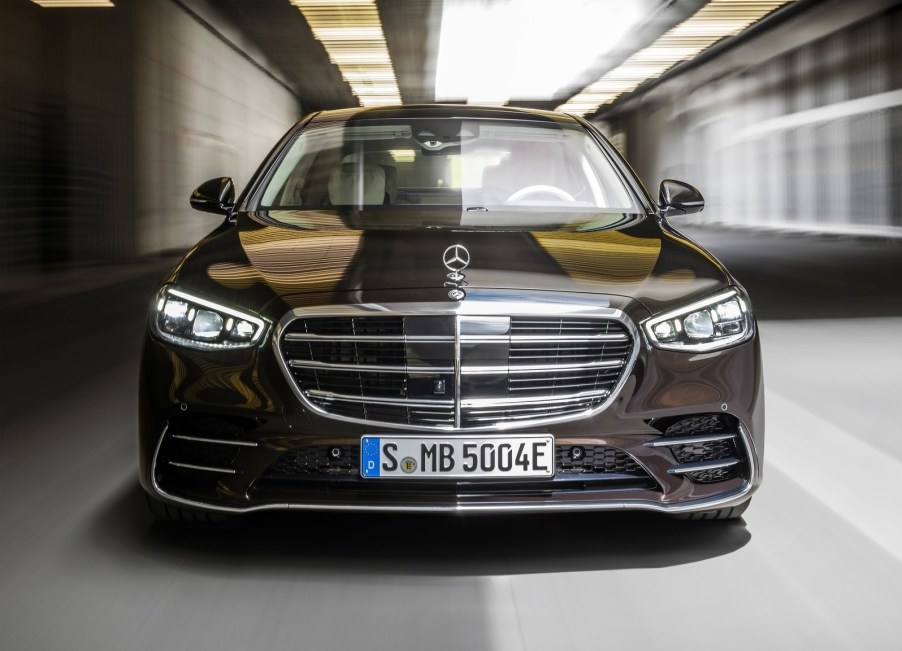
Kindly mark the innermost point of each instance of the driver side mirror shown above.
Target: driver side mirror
(216, 196)
(679, 198)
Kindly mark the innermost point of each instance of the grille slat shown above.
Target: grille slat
(566, 346)
(401, 369)
(565, 325)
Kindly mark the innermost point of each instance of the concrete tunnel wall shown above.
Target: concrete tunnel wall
(807, 139)
(111, 117)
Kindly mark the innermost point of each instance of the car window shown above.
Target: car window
(464, 164)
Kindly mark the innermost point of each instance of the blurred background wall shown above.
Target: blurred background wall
(799, 127)
(109, 119)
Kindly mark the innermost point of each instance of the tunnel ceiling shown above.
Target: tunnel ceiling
(412, 33)
(280, 32)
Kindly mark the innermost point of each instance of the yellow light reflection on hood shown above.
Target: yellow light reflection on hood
(605, 256)
(299, 262)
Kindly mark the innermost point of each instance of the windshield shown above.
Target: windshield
(463, 165)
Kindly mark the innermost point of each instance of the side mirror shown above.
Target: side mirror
(216, 196)
(681, 198)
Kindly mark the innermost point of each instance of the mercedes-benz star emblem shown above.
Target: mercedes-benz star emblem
(456, 258)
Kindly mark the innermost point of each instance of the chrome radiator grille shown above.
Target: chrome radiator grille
(455, 371)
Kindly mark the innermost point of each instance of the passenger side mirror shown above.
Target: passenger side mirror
(216, 196)
(679, 198)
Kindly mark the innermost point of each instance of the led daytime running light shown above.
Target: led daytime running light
(712, 323)
(195, 322)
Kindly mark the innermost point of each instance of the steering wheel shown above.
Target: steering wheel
(541, 189)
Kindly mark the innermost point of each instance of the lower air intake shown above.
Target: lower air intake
(708, 442)
(324, 462)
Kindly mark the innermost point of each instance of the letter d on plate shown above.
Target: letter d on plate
(369, 456)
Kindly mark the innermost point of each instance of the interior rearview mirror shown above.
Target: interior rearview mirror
(216, 196)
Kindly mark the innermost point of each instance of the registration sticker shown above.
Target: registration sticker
(413, 457)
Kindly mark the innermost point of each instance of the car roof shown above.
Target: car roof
(443, 111)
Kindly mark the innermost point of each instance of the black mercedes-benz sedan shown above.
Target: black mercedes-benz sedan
(449, 308)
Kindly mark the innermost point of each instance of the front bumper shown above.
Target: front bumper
(655, 489)
(213, 426)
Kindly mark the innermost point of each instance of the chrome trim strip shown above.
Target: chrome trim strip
(458, 420)
(377, 368)
(533, 368)
(476, 417)
(477, 403)
(683, 468)
(404, 402)
(191, 466)
(552, 304)
(667, 441)
(200, 439)
(558, 339)
(394, 339)
(485, 339)
(569, 338)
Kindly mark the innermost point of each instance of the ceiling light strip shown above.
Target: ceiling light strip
(60, 4)
(351, 33)
(713, 22)
(493, 52)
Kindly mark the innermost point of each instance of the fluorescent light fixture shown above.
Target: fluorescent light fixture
(716, 20)
(60, 4)
(351, 33)
(496, 50)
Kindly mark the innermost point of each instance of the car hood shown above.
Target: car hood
(253, 262)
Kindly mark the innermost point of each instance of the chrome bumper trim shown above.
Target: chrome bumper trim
(191, 466)
(200, 439)
(668, 441)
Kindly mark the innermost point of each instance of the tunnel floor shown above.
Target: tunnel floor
(816, 562)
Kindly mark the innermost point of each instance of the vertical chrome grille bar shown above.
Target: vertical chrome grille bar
(457, 373)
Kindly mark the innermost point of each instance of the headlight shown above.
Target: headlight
(197, 323)
(709, 324)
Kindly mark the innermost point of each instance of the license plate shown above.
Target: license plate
(412, 457)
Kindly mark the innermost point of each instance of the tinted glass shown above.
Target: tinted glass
(485, 166)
